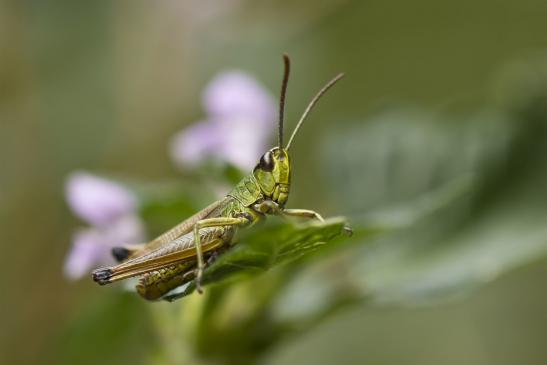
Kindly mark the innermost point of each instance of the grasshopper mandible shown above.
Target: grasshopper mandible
(182, 253)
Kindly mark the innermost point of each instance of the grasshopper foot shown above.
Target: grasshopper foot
(102, 276)
(347, 231)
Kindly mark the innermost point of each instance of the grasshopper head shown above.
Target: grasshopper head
(273, 171)
(273, 174)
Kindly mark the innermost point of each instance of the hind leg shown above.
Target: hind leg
(210, 222)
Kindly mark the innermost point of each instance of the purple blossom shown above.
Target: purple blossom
(96, 200)
(111, 211)
(240, 120)
(235, 93)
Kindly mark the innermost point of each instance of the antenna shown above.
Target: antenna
(311, 105)
(287, 62)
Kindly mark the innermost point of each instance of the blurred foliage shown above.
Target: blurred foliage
(495, 160)
(122, 316)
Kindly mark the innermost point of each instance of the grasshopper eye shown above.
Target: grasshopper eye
(266, 162)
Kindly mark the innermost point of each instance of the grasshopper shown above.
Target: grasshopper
(181, 254)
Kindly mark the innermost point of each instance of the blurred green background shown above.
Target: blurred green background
(102, 86)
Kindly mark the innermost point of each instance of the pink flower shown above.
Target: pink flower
(111, 211)
(240, 120)
(96, 200)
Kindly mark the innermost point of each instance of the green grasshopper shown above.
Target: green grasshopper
(182, 253)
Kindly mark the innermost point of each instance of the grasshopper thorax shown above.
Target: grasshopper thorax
(273, 175)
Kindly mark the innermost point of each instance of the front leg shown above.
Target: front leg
(306, 213)
(205, 223)
(271, 207)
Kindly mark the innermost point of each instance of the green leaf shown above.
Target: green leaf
(274, 243)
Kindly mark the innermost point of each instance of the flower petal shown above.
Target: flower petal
(87, 250)
(241, 118)
(96, 200)
(235, 93)
(241, 145)
(194, 144)
(128, 229)
(92, 247)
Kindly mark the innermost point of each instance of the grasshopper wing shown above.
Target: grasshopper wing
(176, 251)
(122, 253)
